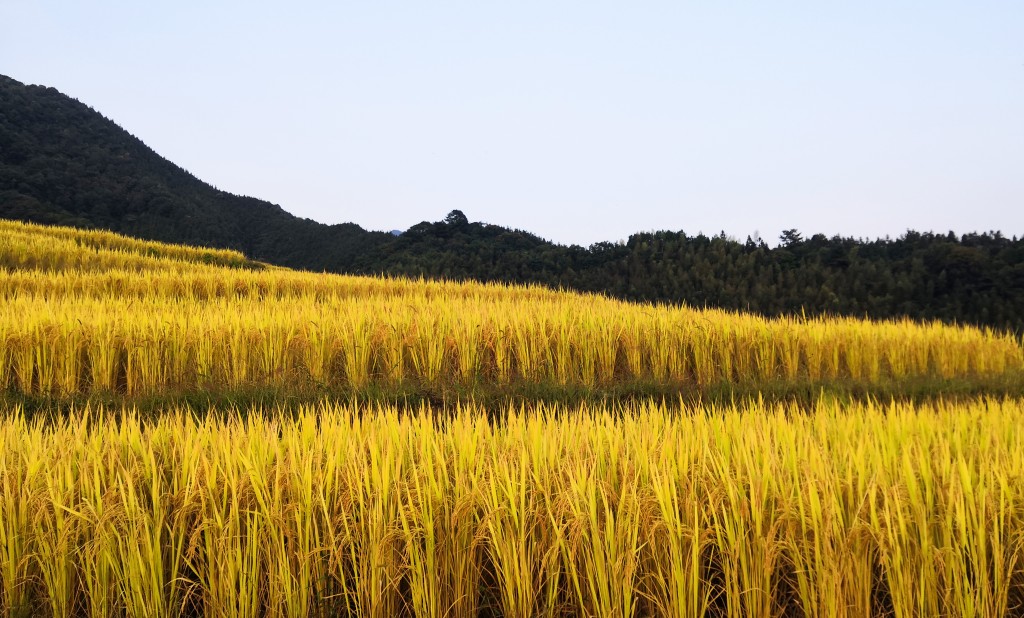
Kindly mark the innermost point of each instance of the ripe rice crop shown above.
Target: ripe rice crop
(587, 511)
(36, 247)
(90, 312)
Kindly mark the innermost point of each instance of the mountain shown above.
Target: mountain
(63, 162)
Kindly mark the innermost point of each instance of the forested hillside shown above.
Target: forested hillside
(976, 278)
(62, 162)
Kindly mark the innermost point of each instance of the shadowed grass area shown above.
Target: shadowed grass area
(413, 396)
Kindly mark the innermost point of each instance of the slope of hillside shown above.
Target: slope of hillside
(62, 162)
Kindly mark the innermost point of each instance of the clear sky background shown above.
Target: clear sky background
(579, 121)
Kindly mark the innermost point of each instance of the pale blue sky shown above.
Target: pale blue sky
(580, 121)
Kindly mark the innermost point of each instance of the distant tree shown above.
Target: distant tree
(790, 238)
(456, 217)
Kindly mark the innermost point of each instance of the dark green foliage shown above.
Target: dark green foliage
(62, 162)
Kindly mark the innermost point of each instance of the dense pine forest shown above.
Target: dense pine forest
(61, 162)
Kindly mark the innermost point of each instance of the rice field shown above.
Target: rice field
(82, 315)
(622, 508)
(551, 511)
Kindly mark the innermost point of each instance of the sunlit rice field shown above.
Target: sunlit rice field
(88, 312)
(147, 504)
(590, 511)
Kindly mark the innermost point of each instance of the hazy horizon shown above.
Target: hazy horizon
(579, 122)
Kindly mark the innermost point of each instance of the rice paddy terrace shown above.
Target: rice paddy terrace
(88, 313)
(457, 449)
